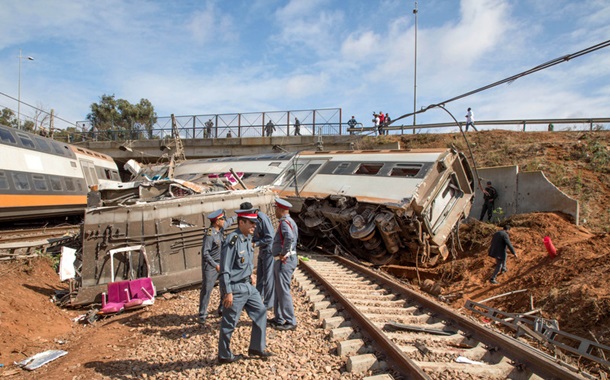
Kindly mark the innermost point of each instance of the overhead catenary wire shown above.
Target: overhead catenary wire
(540, 67)
(38, 109)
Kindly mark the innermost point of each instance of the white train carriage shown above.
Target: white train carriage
(41, 177)
(382, 206)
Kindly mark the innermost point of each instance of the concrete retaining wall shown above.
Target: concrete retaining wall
(520, 193)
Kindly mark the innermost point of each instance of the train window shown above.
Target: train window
(40, 183)
(79, 185)
(7, 137)
(405, 170)
(44, 146)
(56, 184)
(306, 173)
(342, 168)
(3, 181)
(21, 181)
(26, 141)
(58, 148)
(275, 164)
(369, 168)
(69, 184)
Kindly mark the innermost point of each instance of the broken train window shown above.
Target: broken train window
(405, 170)
(369, 168)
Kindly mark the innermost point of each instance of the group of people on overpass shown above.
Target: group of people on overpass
(231, 260)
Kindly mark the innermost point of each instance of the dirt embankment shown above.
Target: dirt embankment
(572, 288)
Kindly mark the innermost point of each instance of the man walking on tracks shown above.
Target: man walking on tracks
(210, 261)
(489, 196)
(236, 265)
(262, 238)
(499, 242)
(284, 250)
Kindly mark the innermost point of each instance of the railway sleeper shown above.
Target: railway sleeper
(503, 370)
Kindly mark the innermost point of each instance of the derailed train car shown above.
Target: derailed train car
(154, 227)
(384, 207)
(381, 206)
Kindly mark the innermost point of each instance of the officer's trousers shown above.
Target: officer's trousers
(245, 296)
(283, 308)
(209, 277)
(265, 277)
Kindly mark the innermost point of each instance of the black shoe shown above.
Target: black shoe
(503, 271)
(493, 281)
(285, 327)
(273, 322)
(230, 360)
(201, 321)
(262, 355)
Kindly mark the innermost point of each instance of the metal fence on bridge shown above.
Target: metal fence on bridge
(322, 122)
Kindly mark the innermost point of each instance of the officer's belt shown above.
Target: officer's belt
(242, 281)
(290, 253)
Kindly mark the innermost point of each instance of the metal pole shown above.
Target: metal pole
(19, 95)
(19, 91)
(415, 71)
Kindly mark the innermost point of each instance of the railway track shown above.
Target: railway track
(418, 337)
(25, 242)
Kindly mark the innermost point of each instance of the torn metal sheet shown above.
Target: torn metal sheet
(40, 359)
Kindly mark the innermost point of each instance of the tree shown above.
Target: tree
(7, 117)
(121, 119)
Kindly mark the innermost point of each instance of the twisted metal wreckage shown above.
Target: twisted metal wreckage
(380, 206)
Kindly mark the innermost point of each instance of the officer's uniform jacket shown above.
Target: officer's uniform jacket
(236, 260)
(212, 243)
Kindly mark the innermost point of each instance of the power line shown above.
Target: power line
(543, 66)
(38, 109)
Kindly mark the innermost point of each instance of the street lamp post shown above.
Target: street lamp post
(19, 90)
(415, 71)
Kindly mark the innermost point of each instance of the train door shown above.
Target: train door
(89, 172)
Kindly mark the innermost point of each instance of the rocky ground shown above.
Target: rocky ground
(163, 342)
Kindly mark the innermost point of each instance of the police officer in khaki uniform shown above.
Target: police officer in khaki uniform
(236, 266)
(210, 260)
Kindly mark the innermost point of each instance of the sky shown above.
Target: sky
(237, 56)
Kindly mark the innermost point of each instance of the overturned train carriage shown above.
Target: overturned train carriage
(155, 228)
(381, 206)
(401, 207)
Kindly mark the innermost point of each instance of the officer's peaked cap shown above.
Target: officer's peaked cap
(216, 214)
(284, 205)
(247, 214)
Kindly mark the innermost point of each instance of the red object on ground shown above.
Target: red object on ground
(550, 248)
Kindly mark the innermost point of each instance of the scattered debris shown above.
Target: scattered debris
(463, 359)
(399, 326)
(40, 359)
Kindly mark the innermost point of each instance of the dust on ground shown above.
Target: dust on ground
(572, 287)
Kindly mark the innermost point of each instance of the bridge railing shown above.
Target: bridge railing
(251, 125)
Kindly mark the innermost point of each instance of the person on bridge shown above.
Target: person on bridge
(284, 251)
(470, 120)
(499, 242)
(208, 128)
(236, 266)
(489, 197)
(269, 128)
(210, 261)
(297, 127)
(352, 124)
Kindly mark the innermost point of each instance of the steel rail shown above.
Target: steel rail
(402, 362)
(521, 354)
